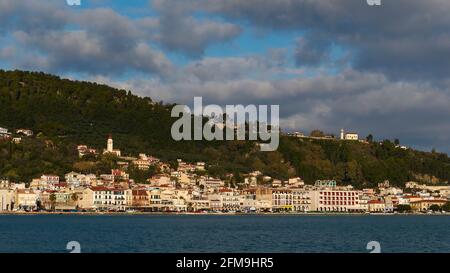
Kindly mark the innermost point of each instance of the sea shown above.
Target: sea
(224, 233)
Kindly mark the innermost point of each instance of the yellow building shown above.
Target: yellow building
(6, 199)
(425, 204)
(376, 206)
(25, 199)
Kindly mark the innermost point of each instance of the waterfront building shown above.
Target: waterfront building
(155, 199)
(425, 204)
(25, 199)
(282, 199)
(332, 200)
(301, 200)
(376, 206)
(138, 199)
(391, 202)
(103, 199)
(202, 204)
(225, 200)
(6, 199)
(264, 195)
(364, 202)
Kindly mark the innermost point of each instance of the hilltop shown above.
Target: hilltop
(64, 113)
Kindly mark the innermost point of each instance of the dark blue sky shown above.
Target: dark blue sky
(328, 63)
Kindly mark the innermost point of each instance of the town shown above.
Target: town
(188, 189)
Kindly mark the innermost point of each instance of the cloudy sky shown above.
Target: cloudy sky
(329, 64)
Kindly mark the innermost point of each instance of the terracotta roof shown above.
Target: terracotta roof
(375, 202)
(100, 188)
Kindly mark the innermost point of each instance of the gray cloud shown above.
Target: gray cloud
(234, 68)
(404, 38)
(312, 50)
(53, 38)
(102, 41)
(180, 31)
(35, 16)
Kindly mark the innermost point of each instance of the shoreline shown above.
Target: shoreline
(216, 214)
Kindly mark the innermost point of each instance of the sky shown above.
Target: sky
(328, 64)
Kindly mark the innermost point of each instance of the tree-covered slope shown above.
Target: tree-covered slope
(67, 113)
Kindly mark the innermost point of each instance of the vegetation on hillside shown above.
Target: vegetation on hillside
(65, 113)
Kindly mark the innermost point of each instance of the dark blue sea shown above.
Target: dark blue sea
(214, 233)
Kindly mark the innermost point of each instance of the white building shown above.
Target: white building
(282, 199)
(349, 136)
(25, 199)
(301, 200)
(103, 198)
(200, 166)
(25, 132)
(210, 182)
(225, 200)
(50, 179)
(296, 182)
(110, 147)
(142, 163)
(77, 179)
(4, 133)
(333, 200)
(6, 199)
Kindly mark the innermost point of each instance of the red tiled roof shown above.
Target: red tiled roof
(375, 202)
(100, 188)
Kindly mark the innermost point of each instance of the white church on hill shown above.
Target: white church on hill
(110, 147)
(349, 136)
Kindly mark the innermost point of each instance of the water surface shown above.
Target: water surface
(217, 233)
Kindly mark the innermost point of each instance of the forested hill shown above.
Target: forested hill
(65, 113)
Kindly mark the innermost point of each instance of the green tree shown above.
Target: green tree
(446, 207)
(52, 199)
(404, 208)
(435, 208)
